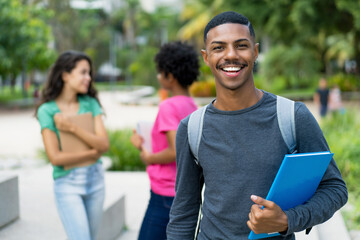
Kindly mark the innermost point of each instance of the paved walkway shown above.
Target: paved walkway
(20, 140)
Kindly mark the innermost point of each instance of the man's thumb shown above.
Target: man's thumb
(260, 201)
(257, 199)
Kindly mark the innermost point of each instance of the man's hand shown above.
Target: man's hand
(267, 220)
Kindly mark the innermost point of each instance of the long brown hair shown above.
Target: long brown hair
(66, 62)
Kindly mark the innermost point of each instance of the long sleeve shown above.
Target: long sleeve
(185, 209)
(331, 194)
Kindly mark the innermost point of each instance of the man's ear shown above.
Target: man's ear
(205, 56)
(256, 50)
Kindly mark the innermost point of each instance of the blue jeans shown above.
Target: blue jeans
(79, 199)
(323, 110)
(156, 218)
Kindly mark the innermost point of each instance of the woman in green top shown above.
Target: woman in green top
(78, 175)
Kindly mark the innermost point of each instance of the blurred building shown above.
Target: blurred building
(151, 5)
(110, 5)
(107, 5)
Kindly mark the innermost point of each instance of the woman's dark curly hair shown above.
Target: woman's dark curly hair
(66, 62)
(179, 59)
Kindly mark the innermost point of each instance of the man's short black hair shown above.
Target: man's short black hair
(228, 17)
(179, 59)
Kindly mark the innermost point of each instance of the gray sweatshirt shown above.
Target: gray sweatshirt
(239, 155)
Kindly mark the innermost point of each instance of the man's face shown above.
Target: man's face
(230, 53)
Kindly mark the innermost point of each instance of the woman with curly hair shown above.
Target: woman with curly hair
(78, 176)
(178, 67)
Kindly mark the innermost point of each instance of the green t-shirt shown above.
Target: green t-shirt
(46, 114)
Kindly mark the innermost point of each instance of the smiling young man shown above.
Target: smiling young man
(241, 150)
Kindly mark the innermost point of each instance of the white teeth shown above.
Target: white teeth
(231, 69)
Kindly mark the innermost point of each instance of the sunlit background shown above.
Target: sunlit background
(300, 42)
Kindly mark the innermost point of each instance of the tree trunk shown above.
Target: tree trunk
(12, 83)
(23, 78)
(357, 52)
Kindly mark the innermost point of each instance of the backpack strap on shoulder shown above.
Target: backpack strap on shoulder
(195, 127)
(286, 120)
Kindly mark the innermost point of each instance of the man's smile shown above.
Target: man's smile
(231, 70)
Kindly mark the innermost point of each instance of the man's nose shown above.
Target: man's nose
(231, 53)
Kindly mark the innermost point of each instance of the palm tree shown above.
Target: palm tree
(196, 14)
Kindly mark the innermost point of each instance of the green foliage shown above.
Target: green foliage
(260, 82)
(293, 66)
(303, 27)
(142, 35)
(346, 82)
(143, 68)
(159, 26)
(342, 132)
(353, 8)
(41, 154)
(205, 70)
(203, 88)
(24, 38)
(124, 156)
(352, 214)
(7, 94)
(86, 30)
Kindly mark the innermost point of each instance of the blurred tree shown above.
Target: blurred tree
(195, 15)
(64, 23)
(85, 30)
(296, 65)
(124, 21)
(24, 40)
(310, 24)
(93, 35)
(353, 7)
(160, 26)
(142, 35)
(340, 47)
(154, 29)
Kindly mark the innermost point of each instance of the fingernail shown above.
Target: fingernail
(253, 197)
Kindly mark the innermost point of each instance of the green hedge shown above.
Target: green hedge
(124, 156)
(342, 132)
(346, 82)
(8, 95)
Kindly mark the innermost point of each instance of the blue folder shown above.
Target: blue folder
(296, 181)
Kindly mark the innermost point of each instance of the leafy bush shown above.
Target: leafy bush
(342, 132)
(143, 69)
(203, 88)
(124, 156)
(346, 82)
(7, 94)
(296, 66)
(261, 82)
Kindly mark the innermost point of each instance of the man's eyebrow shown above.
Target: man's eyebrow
(237, 41)
(242, 40)
(217, 42)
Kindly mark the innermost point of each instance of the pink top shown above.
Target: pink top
(171, 112)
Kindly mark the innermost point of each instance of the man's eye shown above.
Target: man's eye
(217, 48)
(242, 46)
